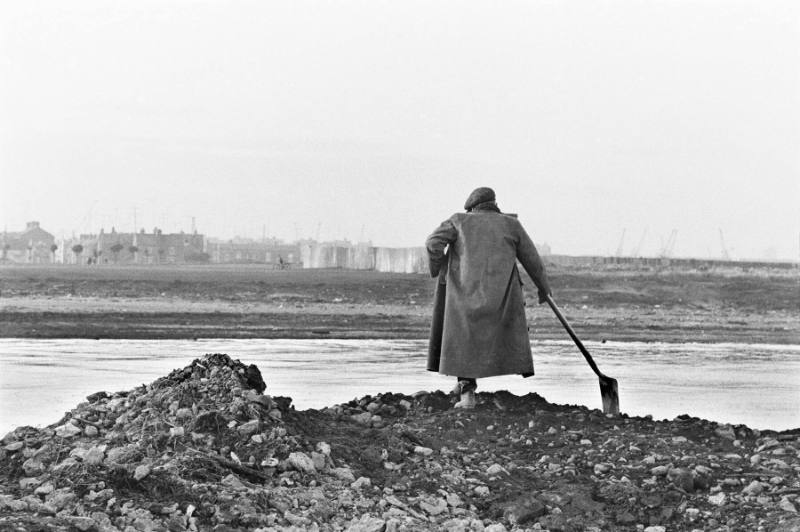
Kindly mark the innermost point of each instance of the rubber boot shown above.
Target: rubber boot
(467, 400)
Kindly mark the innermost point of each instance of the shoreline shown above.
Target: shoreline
(175, 318)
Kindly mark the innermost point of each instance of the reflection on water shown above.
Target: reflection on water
(757, 385)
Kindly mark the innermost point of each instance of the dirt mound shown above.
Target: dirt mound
(204, 449)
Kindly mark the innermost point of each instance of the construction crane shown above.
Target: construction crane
(666, 250)
(621, 241)
(635, 251)
(725, 254)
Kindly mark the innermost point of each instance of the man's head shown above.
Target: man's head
(479, 195)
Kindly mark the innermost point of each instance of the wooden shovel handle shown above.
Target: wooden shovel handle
(574, 336)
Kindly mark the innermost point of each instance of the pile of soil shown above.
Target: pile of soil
(204, 448)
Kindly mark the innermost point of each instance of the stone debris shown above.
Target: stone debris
(205, 449)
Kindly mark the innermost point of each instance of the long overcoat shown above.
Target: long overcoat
(483, 328)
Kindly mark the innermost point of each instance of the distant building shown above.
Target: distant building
(248, 251)
(136, 248)
(34, 245)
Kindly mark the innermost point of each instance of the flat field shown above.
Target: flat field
(251, 301)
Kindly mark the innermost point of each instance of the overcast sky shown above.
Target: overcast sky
(343, 119)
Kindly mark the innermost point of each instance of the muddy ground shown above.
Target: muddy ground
(206, 448)
(603, 303)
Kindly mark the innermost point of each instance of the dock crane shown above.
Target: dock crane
(666, 251)
(635, 251)
(725, 254)
(621, 241)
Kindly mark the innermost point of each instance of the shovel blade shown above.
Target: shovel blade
(609, 391)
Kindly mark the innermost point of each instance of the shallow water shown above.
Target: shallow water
(754, 384)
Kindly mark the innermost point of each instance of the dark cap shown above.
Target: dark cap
(479, 195)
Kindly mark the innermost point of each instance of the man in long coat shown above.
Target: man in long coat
(481, 330)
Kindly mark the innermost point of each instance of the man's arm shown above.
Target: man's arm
(443, 236)
(530, 260)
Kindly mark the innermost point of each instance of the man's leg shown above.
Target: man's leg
(467, 387)
(464, 384)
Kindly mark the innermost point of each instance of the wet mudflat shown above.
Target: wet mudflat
(604, 303)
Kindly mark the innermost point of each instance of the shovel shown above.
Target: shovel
(608, 386)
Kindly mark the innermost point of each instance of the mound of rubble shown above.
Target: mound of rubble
(204, 449)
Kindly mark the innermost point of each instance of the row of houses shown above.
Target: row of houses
(34, 245)
(37, 246)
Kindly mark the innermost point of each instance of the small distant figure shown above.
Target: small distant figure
(479, 327)
(281, 264)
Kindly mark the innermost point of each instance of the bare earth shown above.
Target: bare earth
(670, 305)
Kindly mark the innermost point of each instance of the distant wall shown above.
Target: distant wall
(363, 257)
(401, 260)
(584, 261)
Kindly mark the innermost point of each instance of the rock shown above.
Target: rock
(318, 460)
(84, 524)
(15, 446)
(524, 510)
(95, 455)
(33, 466)
(481, 491)
(655, 529)
(625, 518)
(495, 469)
(454, 500)
(495, 527)
(652, 500)
(754, 488)
(123, 455)
(301, 462)
(233, 482)
(323, 448)
(61, 498)
(45, 489)
(367, 523)
(249, 428)
(424, 451)
(601, 469)
(361, 482)
(659, 471)
(91, 431)
(67, 430)
(363, 418)
(682, 478)
(344, 473)
(787, 506)
(141, 472)
(26, 483)
(433, 507)
(717, 499)
(725, 431)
